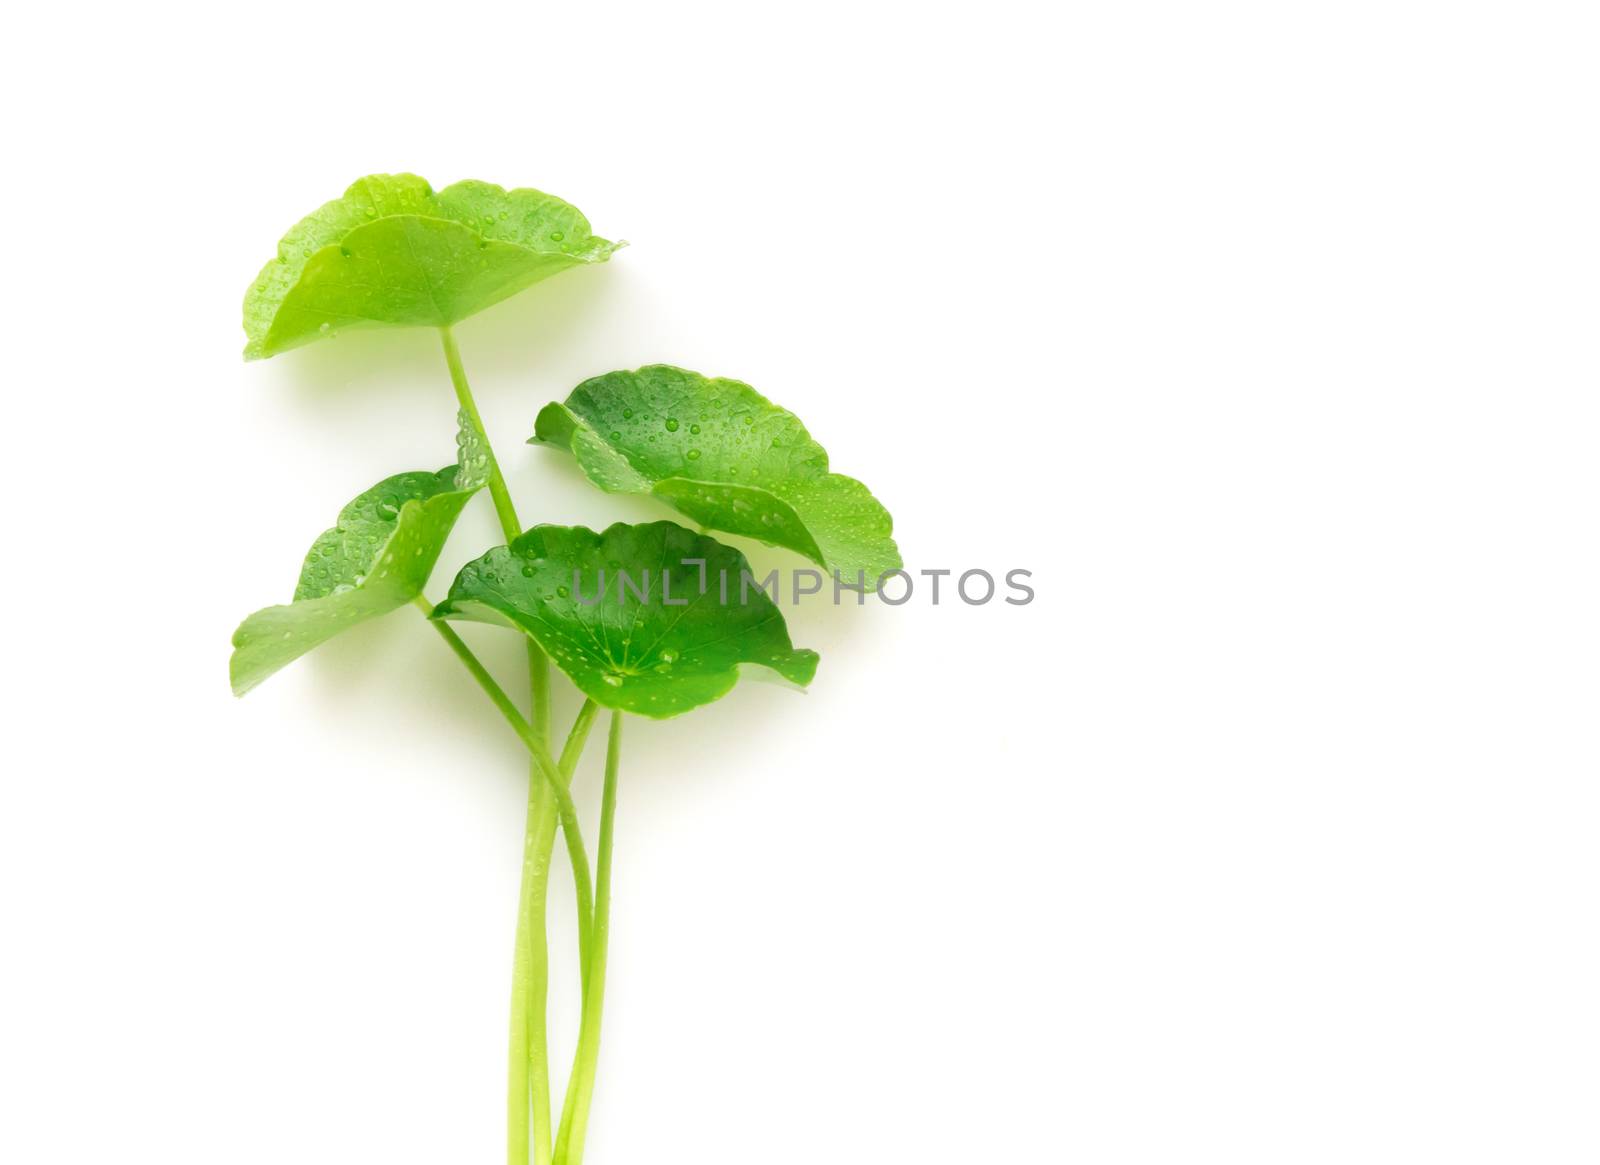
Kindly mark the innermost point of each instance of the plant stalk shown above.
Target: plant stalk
(532, 944)
(566, 767)
(528, 1075)
(542, 763)
(528, 1081)
(580, 1088)
(503, 506)
(510, 524)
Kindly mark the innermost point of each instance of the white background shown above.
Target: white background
(1264, 334)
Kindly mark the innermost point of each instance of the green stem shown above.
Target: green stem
(510, 525)
(576, 739)
(536, 749)
(567, 766)
(529, 1074)
(480, 673)
(503, 506)
(528, 1078)
(580, 1088)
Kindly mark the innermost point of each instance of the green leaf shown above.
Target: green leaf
(391, 251)
(377, 558)
(657, 653)
(723, 454)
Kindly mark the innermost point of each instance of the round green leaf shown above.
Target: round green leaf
(375, 559)
(391, 251)
(651, 638)
(723, 454)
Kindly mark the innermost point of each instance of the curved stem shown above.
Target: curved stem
(528, 1079)
(528, 1075)
(503, 507)
(568, 764)
(541, 755)
(487, 682)
(576, 739)
(580, 1088)
(510, 525)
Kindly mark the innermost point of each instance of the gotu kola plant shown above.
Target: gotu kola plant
(652, 619)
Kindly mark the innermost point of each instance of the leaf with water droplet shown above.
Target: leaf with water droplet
(642, 646)
(392, 251)
(399, 526)
(751, 468)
